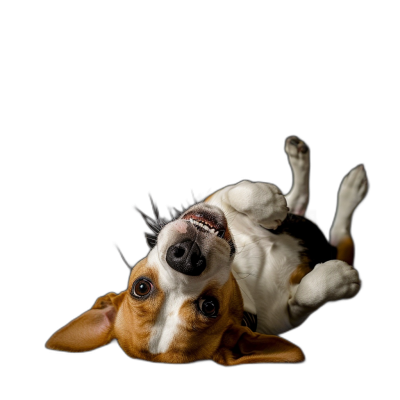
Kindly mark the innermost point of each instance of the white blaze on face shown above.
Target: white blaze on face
(178, 287)
(167, 323)
(176, 292)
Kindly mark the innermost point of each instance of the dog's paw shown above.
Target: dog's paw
(332, 280)
(262, 202)
(353, 189)
(296, 149)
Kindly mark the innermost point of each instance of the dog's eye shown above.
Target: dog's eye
(209, 306)
(141, 288)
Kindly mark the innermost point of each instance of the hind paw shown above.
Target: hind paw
(295, 148)
(299, 158)
(352, 191)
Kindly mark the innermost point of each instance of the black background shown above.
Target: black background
(115, 133)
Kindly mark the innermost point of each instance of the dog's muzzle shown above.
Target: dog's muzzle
(186, 257)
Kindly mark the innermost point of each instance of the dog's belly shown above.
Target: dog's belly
(263, 265)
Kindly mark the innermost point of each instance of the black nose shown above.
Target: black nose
(186, 258)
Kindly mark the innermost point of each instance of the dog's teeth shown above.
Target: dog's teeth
(204, 226)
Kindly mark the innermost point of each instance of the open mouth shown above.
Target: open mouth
(205, 225)
(206, 221)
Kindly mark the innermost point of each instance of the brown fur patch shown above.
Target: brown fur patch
(92, 329)
(242, 346)
(208, 198)
(301, 270)
(136, 317)
(345, 250)
(199, 337)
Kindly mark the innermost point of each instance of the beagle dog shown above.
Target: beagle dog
(224, 277)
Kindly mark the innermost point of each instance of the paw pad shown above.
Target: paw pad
(294, 146)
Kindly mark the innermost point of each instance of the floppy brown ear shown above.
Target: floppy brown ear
(240, 345)
(90, 330)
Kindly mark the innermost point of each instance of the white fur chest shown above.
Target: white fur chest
(262, 267)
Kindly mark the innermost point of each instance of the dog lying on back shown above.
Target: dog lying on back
(227, 275)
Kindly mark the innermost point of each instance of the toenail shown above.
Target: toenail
(294, 142)
(304, 149)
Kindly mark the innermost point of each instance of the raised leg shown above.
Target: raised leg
(352, 191)
(299, 159)
(262, 202)
(329, 281)
(335, 279)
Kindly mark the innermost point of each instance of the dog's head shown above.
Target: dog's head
(182, 303)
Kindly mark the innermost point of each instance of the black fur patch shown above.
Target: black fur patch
(318, 249)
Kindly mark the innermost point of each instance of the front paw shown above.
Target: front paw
(341, 279)
(332, 280)
(262, 202)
